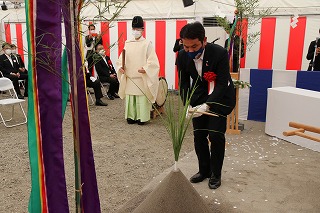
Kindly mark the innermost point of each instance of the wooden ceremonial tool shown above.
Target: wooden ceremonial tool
(205, 113)
(123, 58)
(293, 132)
(301, 129)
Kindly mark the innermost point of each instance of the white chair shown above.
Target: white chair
(90, 97)
(6, 85)
(104, 87)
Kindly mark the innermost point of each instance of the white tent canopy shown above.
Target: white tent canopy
(171, 9)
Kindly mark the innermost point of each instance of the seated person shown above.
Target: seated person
(106, 71)
(22, 70)
(10, 69)
(94, 83)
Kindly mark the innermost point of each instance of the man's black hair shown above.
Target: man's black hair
(5, 44)
(193, 30)
(91, 25)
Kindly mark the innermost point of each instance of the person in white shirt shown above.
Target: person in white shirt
(10, 69)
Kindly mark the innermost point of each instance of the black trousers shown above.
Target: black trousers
(15, 82)
(96, 88)
(114, 84)
(24, 76)
(210, 160)
(89, 57)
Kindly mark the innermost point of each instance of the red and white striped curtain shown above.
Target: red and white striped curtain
(279, 46)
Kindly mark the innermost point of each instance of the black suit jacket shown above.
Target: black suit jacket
(222, 99)
(20, 61)
(103, 69)
(6, 67)
(310, 55)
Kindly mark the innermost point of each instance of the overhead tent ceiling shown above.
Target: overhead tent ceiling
(163, 9)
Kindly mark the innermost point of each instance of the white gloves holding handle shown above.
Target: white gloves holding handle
(196, 111)
(93, 79)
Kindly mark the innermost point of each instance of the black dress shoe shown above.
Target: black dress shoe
(101, 103)
(141, 123)
(20, 97)
(214, 182)
(110, 97)
(131, 121)
(197, 178)
(115, 95)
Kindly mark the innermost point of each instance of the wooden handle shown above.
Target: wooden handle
(293, 132)
(123, 58)
(308, 136)
(205, 113)
(305, 127)
(301, 129)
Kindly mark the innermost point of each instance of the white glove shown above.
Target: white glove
(200, 108)
(93, 79)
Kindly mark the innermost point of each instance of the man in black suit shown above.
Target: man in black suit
(314, 48)
(22, 69)
(10, 69)
(207, 65)
(106, 72)
(92, 41)
(234, 43)
(94, 83)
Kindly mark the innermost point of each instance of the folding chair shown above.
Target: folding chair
(90, 97)
(105, 87)
(6, 85)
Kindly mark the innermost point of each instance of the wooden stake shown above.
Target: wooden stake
(205, 113)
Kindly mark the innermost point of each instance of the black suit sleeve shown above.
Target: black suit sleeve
(184, 77)
(89, 41)
(222, 80)
(5, 66)
(177, 46)
(101, 67)
(311, 50)
(111, 67)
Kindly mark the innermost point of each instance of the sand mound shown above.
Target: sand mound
(174, 194)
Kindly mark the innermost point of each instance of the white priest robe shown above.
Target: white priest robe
(139, 53)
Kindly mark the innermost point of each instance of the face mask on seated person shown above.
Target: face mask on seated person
(8, 51)
(102, 52)
(14, 51)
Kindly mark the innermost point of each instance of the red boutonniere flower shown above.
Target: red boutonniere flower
(210, 76)
(109, 62)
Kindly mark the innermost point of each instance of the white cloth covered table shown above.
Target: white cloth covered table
(286, 104)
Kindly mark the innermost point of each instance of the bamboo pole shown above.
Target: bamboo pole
(78, 191)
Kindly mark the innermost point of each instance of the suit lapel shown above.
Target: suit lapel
(208, 61)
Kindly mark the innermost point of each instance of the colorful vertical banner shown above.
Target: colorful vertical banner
(48, 91)
(48, 185)
(87, 196)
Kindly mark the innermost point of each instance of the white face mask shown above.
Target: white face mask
(136, 33)
(92, 31)
(102, 52)
(14, 51)
(8, 51)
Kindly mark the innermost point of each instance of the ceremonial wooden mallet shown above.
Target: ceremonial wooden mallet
(301, 128)
(123, 59)
(205, 113)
